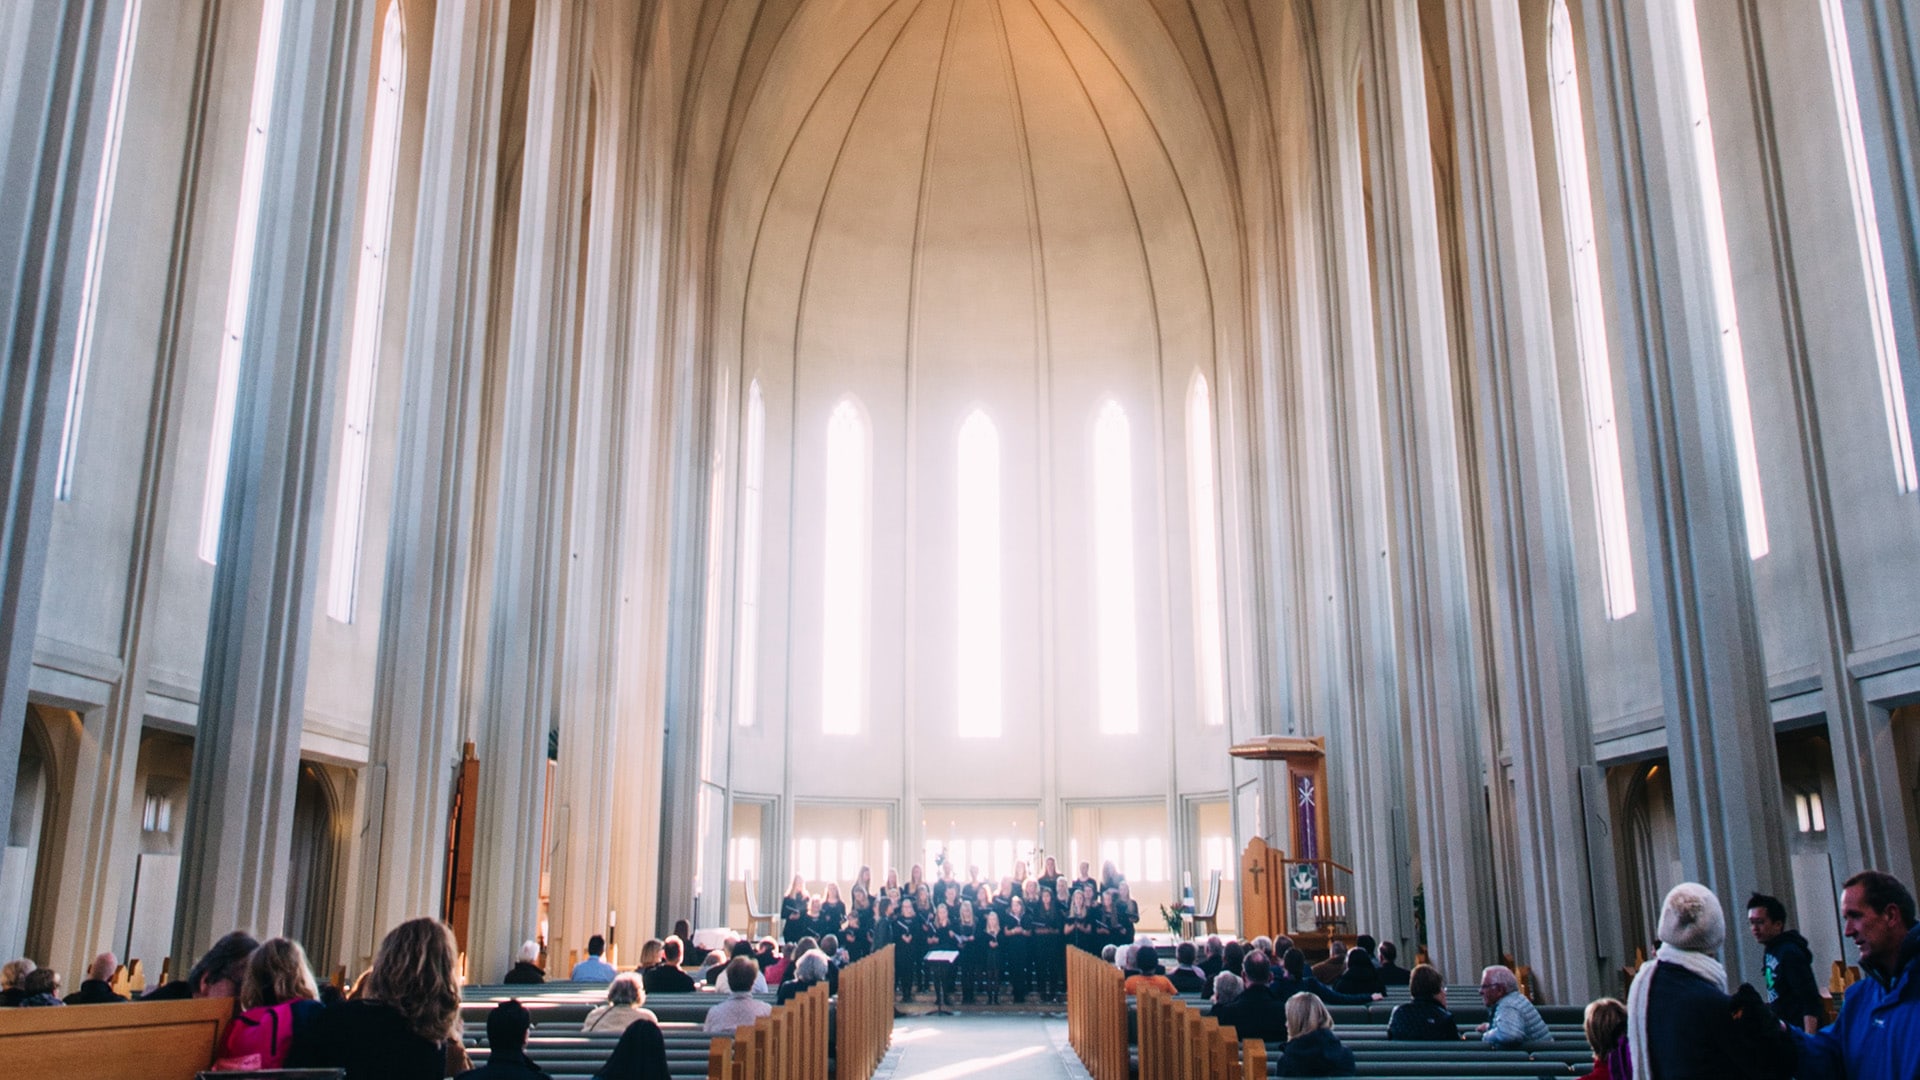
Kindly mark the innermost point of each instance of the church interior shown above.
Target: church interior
(564, 467)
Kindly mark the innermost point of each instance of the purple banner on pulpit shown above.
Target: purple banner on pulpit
(1306, 819)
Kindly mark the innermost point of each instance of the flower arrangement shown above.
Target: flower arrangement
(1175, 917)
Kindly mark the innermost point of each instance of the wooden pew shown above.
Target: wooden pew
(1097, 1015)
(864, 1015)
(1177, 1042)
(142, 1040)
(788, 1044)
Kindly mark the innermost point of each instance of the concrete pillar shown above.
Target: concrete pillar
(52, 127)
(1719, 735)
(1541, 697)
(1439, 684)
(524, 652)
(417, 727)
(247, 751)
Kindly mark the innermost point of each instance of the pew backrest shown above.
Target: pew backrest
(149, 1040)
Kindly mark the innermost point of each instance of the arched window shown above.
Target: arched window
(977, 578)
(96, 241)
(844, 582)
(1203, 529)
(363, 355)
(1714, 217)
(240, 279)
(1867, 224)
(747, 654)
(1590, 318)
(1117, 639)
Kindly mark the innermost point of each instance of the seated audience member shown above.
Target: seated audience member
(1361, 976)
(526, 970)
(641, 1054)
(1211, 962)
(667, 976)
(1877, 1036)
(1515, 1022)
(1186, 977)
(1391, 973)
(811, 968)
(1425, 1018)
(1331, 969)
(593, 968)
(98, 987)
(777, 973)
(407, 1012)
(1146, 965)
(1606, 1024)
(1297, 979)
(1231, 957)
(278, 1002)
(1312, 1049)
(1227, 988)
(716, 961)
(12, 976)
(694, 956)
(625, 996)
(740, 1008)
(507, 1027)
(42, 987)
(218, 974)
(1262, 1014)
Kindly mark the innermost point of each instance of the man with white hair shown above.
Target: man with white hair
(1515, 1022)
(526, 970)
(98, 987)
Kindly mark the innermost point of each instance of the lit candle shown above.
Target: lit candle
(613, 918)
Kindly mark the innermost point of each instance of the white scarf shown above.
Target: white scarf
(1701, 964)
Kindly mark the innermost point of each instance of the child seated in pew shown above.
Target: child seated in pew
(1607, 1035)
(1312, 1049)
(507, 1027)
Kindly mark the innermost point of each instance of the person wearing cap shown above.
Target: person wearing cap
(507, 1027)
(1679, 1016)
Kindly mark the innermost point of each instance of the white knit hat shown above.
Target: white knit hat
(1691, 919)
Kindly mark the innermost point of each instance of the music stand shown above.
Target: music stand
(948, 957)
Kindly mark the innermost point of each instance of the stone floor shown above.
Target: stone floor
(999, 1047)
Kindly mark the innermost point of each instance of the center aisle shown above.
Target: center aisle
(996, 1047)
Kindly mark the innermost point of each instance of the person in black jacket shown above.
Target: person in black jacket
(795, 923)
(1259, 1013)
(668, 977)
(1312, 1048)
(1790, 987)
(98, 990)
(507, 1027)
(1361, 976)
(1425, 1018)
(1186, 976)
(1391, 973)
(641, 1054)
(408, 1012)
(526, 969)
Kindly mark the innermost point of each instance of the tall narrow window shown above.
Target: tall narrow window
(1866, 218)
(978, 578)
(1590, 319)
(1113, 572)
(747, 654)
(1206, 554)
(1714, 217)
(363, 356)
(96, 240)
(843, 639)
(240, 279)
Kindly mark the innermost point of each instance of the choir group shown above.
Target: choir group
(1014, 937)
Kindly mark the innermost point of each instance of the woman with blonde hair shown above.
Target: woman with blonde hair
(625, 996)
(408, 1012)
(13, 978)
(279, 1000)
(1312, 1049)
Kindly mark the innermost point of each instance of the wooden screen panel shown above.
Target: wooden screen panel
(151, 1040)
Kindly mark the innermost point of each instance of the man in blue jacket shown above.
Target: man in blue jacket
(1878, 1034)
